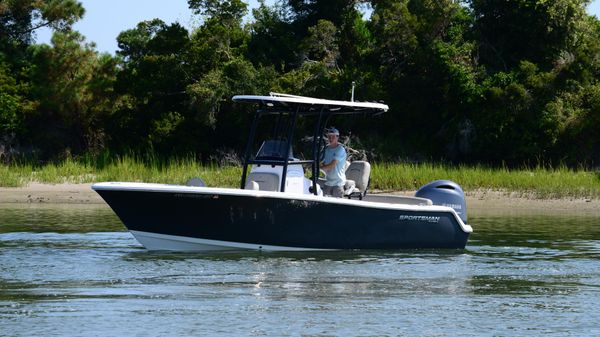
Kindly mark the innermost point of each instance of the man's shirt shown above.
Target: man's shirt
(337, 175)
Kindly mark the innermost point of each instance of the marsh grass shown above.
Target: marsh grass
(14, 176)
(537, 182)
(125, 168)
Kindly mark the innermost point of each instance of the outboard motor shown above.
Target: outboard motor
(445, 193)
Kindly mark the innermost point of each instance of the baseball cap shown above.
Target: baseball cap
(333, 131)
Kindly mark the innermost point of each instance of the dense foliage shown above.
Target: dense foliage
(514, 81)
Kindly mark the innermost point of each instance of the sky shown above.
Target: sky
(105, 19)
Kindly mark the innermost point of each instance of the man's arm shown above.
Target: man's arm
(330, 166)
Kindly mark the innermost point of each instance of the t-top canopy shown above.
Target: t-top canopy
(308, 105)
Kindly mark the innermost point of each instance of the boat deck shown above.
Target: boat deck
(397, 199)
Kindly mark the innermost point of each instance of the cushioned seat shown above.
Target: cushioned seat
(266, 181)
(357, 179)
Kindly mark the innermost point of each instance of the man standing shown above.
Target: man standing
(334, 163)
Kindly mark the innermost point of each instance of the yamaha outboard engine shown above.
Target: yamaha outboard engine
(445, 193)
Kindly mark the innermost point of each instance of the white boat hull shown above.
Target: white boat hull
(154, 241)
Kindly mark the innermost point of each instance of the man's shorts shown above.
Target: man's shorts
(334, 191)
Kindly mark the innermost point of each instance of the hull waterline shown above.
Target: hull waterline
(165, 217)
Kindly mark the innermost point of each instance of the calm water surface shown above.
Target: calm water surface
(73, 270)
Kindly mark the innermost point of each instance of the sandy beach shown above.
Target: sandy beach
(477, 201)
(49, 193)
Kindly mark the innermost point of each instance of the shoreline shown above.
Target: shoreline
(37, 193)
(478, 202)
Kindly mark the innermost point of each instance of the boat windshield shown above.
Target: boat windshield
(274, 149)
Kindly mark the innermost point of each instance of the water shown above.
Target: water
(74, 271)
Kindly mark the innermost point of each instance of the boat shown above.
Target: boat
(278, 208)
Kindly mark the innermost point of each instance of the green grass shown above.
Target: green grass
(128, 168)
(538, 182)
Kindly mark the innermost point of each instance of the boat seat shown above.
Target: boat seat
(358, 175)
(266, 181)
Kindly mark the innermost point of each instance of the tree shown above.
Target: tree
(321, 43)
(538, 94)
(73, 87)
(512, 31)
(228, 12)
(272, 40)
(427, 71)
(344, 15)
(221, 37)
(20, 18)
(221, 70)
(152, 82)
(18, 21)
(307, 13)
(13, 106)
